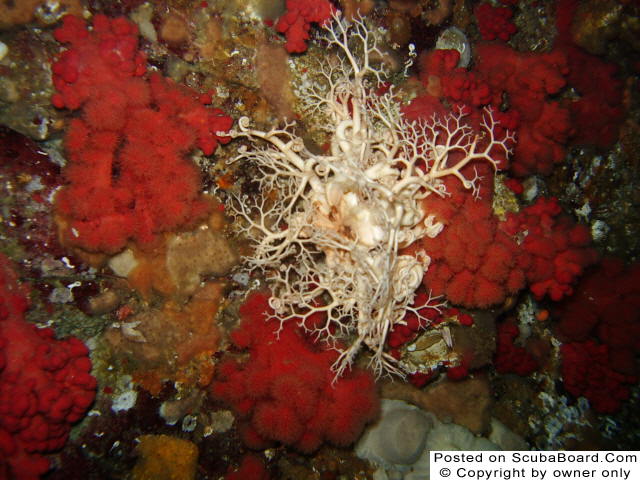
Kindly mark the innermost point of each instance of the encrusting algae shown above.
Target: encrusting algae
(163, 457)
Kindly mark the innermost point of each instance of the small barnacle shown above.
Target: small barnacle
(50, 11)
(454, 38)
(446, 335)
(128, 330)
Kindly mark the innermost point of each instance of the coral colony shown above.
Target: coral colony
(45, 383)
(140, 127)
(331, 241)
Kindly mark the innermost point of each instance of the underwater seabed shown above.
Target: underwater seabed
(315, 239)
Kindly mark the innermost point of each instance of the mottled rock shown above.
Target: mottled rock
(25, 84)
(163, 457)
(400, 443)
(596, 23)
(20, 12)
(194, 255)
(465, 403)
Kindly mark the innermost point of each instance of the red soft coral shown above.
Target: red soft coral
(442, 78)
(466, 88)
(541, 142)
(605, 307)
(129, 176)
(45, 385)
(405, 332)
(472, 263)
(251, 468)
(494, 22)
(598, 112)
(285, 391)
(423, 107)
(587, 372)
(528, 81)
(509, 357)
(477, 261)
(297, 20)
(555, 250)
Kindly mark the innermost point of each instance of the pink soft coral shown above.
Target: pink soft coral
(285, 391)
